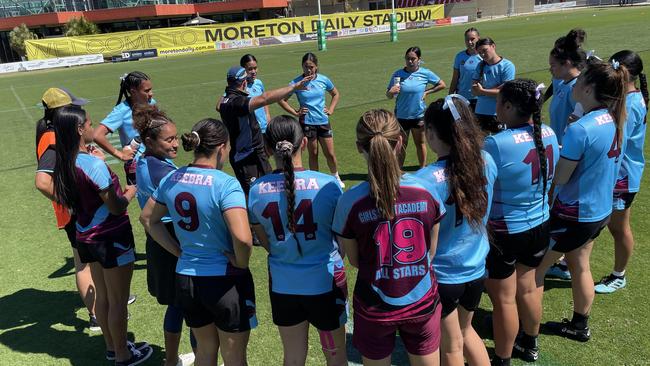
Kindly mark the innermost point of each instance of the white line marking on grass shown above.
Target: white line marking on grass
(22, 105)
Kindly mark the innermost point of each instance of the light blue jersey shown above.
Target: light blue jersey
(629, 176)
(466, 64)
(490, 77)
(148, 173)
(409, 103)
(254, 90)
(197, 197)
(519, 203)
(316, 195)
(121, 119)
(314, 98)
(592, 143)
(461, 252)
(562, 105)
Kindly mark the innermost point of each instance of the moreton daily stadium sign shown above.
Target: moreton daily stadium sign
(180, 40)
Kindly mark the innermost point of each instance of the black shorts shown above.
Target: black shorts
(623, 200)
(313, 131)
(468, 295)
(112, 253)
(326, 312)
(71, 230)
(408, 124)
(506, 250)
(249, 169)
(226, 301)
(569, 235)
(161, 270)
(489, 123)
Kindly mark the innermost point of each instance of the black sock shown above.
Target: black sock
(498, 361)
(528, 341)
(580, 321)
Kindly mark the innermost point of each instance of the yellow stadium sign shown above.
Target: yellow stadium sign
(181, 40)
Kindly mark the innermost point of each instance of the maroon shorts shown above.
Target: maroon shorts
(376, 340)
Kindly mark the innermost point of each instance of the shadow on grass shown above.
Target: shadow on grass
(67, 269)
(28, 323)
(551, 283)
(354, 176)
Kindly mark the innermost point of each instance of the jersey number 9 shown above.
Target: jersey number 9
(185, 205)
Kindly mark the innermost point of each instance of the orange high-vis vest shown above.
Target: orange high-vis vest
(62, 214)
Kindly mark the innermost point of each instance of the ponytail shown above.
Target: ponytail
(634, 65)
(284, 136)
(643, 85)
(378, 133)
(130, 81)
(610, 88)
(465, 169)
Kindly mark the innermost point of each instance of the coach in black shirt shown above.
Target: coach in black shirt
(237, 108)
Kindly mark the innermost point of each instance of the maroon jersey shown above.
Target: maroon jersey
(395, 283)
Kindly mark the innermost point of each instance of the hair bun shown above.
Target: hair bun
(190, 141)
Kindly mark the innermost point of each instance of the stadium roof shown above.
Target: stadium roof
(57, 18)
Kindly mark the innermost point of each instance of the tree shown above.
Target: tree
(17, 38)
(79, 27)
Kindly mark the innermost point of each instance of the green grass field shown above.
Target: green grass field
(41, 322)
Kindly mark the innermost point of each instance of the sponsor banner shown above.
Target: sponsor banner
(458, 20)
(242, 43)
(173, 51)
(443, 21)
(554, 6)
(51, 63)
(138, 54)
(180, 40)
(280, 40)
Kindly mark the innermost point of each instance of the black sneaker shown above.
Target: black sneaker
(568, 330)
(138, 346)
(526, 354)
(137, 357)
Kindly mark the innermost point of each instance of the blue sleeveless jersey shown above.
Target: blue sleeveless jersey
(460, 255)
(197, 197)
(466, 65)
(562, 105)
(148, 173)
(409, 103)
(316, 195)
(491, 77)
(629, 176)
(519, 204)
(592, 143)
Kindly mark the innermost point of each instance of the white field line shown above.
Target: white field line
(22, 105)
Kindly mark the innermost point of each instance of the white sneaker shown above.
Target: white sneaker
(185, 359)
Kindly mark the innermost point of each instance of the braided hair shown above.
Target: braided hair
(527, 100)
(130, 81)
(283, 136)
